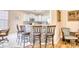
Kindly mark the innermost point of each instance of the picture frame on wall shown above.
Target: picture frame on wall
(73, 15)
(58, 15)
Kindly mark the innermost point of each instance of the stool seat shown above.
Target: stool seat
(37, 34)
(2, 34)
(49, 34)
(27, 33)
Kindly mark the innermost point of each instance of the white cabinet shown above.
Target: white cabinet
(26, 18)
(36, 18)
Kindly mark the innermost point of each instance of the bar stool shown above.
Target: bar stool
(26, 34)
(19, 32)
(50, 32)
(37, 33)
(25, 37)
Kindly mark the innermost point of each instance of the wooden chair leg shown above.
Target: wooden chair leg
(7, 40)
(24, 41)
(40, 41)
(29, 38)
(2, 38)
(46, 42)
(19, 37)
(52, 42)
(33, 42)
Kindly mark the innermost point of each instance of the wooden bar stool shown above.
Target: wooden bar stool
(50, 32)
(19, 33)
(25, 35)
(37, 33)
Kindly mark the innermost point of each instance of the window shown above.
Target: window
(3, 19)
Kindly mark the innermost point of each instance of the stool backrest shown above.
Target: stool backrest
(51, 29)
(22, 28)
(37, 29)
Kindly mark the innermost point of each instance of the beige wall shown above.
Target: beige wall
(55, 22)
(13, 21)
(73, 25)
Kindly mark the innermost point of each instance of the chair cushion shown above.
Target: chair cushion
(70, 37)
(2, 34)
(66, 31)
